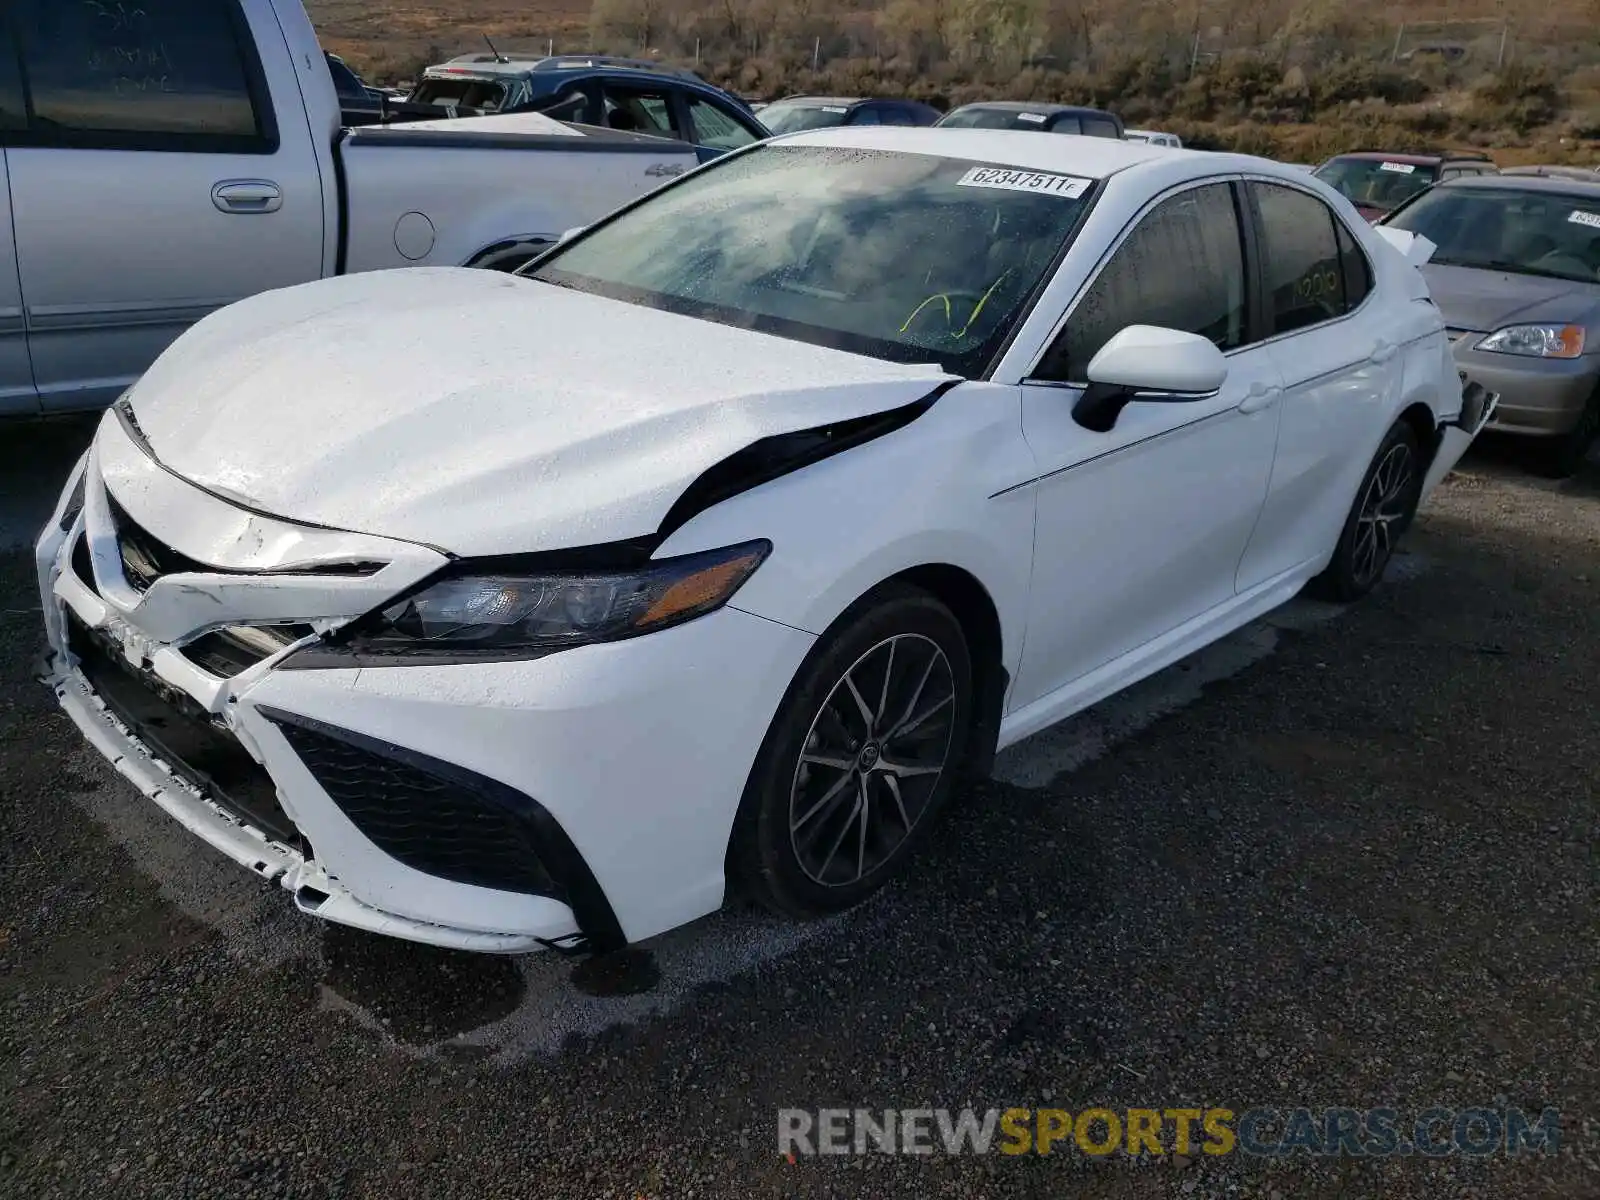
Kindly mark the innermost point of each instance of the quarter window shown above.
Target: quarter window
(1302, 259)
(1100, 127)
(1181, 268)
(714, 127)
(1067, 124)
(176, 72)
(1356, 269)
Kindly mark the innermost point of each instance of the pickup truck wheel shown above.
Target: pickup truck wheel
(509, 258)
(1384, 506)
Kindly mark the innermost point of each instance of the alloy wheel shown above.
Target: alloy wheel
(1384, 511)
(872, 760)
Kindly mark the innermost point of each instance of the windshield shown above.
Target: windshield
(1375, 183)
(994, 118)
(486, 94)
(791, 118)
(1504, 229)
(907, 257)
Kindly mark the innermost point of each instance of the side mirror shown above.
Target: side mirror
(1148, 363)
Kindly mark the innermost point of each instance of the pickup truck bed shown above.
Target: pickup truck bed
(529, 179)
(139, 200)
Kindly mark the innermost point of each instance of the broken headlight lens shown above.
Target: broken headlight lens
(508, 616)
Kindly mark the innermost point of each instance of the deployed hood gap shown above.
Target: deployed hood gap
(779, 455)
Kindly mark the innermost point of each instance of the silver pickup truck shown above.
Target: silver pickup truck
(161, 159)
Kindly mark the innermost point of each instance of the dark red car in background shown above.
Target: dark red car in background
(1377, 182)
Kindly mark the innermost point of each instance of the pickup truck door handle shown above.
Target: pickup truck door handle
(1260, 396)
(1383, 352)
(247, 196)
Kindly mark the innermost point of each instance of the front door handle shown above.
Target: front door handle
(1383, 352)
(1260, 396)
(236, 196)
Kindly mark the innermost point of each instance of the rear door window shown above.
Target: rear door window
(639, 109)
(1067, 123)
(1304, 266)
(1100, 127)
(159, 74)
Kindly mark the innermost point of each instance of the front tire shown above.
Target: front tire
(1561, 456)
(861, 755)
(1383, 510)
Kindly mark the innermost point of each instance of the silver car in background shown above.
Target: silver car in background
(1517, 277)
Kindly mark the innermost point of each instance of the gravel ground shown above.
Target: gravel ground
(1346, 858)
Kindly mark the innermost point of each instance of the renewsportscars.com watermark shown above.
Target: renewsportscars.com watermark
(1261, 1132)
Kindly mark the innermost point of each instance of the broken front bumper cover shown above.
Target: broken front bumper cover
(1478, 406)
(315, 892)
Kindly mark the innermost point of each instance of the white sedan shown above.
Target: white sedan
(505, 612)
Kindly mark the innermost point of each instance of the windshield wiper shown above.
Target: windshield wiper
(1500, 264)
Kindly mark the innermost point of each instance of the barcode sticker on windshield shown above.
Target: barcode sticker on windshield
(1403, 168)
(1036, 118)
(1579, 217)
(833, 108)
(1070, 186)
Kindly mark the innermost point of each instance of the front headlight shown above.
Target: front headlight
(502, 616)
(1535, 341)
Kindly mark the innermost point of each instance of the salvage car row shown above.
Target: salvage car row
(705, 551)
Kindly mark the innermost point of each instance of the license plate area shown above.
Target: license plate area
(181, 733)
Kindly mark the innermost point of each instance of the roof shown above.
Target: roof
(1554, 171)
(819, 101)
(514, 64)
(1029, 106)
(1418, 160)
(1554, 185)
(1092, 157)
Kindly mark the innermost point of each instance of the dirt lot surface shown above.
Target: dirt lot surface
(1343, 858)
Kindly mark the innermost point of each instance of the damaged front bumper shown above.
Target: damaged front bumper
(315, 892)
(1478, 406)
(575, 802)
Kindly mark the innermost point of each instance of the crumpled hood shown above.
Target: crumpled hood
(479, 412)
(1483, 301)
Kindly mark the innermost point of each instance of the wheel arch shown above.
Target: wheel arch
(1425, 425)
(964, 595)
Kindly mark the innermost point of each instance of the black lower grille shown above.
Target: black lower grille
(434, 818)
(181, 733)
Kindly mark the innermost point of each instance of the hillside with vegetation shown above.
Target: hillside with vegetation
(1295, 79)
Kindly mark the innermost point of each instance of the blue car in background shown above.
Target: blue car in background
(615, 93)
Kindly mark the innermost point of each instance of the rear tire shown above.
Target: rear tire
(862, 753)
(1384, 506)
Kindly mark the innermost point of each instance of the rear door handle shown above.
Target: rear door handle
(1260, 396)
(237, 196)
(1383, 352)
